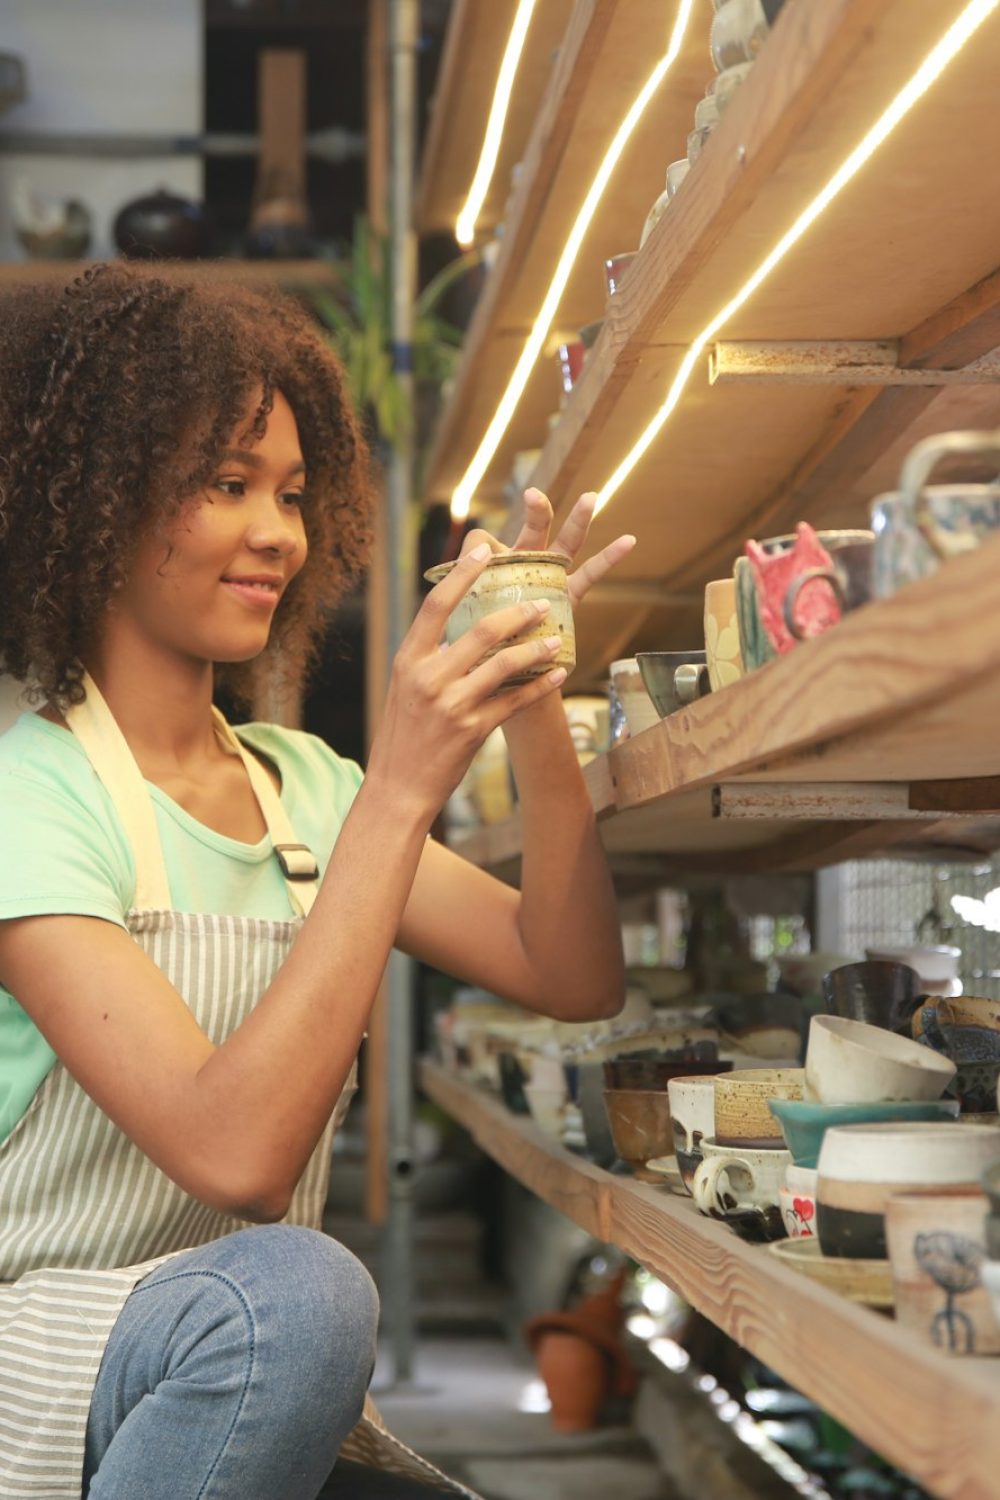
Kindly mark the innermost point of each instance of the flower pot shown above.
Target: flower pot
(577, 1376)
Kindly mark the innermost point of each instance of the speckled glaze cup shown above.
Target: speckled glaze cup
(514, 578)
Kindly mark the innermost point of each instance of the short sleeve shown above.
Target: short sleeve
(59, 855)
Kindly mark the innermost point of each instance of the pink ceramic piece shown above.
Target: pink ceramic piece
(816, 607)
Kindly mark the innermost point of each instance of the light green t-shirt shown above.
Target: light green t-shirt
(63, 851)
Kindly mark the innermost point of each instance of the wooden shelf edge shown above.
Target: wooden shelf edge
(933, 1416)
(262, 272)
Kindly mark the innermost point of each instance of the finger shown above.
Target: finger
(530, 656)
(488, 633)
(598, 567)
(477, 537)
(537, 523)
(576, 526)
(505, 705)
(428, 626)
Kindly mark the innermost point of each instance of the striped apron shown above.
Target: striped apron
(84, 1214)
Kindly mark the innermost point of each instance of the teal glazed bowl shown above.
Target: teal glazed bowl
(803, 1123)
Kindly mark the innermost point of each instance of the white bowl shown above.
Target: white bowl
(850, 1062)
(921, 1152)
(935, 965)
(547, 1108)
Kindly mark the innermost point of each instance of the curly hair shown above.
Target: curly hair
(117, 396)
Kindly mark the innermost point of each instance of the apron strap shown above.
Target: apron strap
(107, 749)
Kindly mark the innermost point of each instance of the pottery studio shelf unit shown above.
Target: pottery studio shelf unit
(882, 733)
(285, 273)
(937, 1418)
(875, 329)
(463, 95)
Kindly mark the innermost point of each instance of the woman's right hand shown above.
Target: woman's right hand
(444, 700)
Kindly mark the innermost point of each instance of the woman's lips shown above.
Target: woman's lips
(256, 596)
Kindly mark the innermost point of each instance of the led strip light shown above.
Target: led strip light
(465, 227)
(934, 64)
(462, 496)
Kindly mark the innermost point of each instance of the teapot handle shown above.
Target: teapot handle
(830, 575)
(918, 466)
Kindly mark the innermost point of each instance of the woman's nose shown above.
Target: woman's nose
(276, 529)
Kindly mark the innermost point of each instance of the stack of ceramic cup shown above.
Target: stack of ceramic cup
(743, 1162)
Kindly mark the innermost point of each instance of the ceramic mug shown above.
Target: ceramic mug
(743, 1188)
(742, 1114)
(920, 525)
(722, 634)
(615, 269)
(739, 30)
(850, 578)
(514, 578)
(798, 1202)
(936, 1246)
(692, 1118)
(630, 690)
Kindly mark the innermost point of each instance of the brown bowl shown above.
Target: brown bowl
(640, 1127)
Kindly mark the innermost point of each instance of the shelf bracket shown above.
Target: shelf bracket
(836, 362)
(861, 801)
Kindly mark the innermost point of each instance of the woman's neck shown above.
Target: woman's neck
(163, 706)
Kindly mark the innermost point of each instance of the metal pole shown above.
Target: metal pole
(401, 544)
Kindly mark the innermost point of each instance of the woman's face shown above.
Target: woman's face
(208, 586)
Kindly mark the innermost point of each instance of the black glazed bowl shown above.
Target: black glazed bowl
(876, 991)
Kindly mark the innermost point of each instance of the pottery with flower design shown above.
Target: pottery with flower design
(722, 634)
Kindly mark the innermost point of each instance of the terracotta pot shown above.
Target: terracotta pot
(577, 1376)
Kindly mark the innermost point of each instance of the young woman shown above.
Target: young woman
(194, 922)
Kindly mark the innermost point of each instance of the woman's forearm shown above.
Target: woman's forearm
(568, 916)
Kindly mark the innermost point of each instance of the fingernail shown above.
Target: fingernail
(479, 553)
(556, 677)
(543, 606)
(552, 642)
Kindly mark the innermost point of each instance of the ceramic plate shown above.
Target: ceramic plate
(867, 1281)
(668, 1172)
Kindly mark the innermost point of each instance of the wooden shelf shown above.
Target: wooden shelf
(474, 46)
(935, 1417)
(906, 253)
(609, 49)
(289, 273)
(902, 693)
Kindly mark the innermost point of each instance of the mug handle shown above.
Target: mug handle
(830, 575)
(690, 682)
(705, 1187)
(917, 468)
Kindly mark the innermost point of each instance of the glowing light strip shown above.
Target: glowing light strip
(465, 228)
(934, 64)
(462, 496)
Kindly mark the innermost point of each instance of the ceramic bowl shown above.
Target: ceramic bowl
(862, 1166)
(739, 30)
(802, 973)
(515, 578)
(615, 269)
(630, 689)
(850, 1062)
(593, 1116)
(936, 1246)
(866, 1281)
(673, 679)
(935, 964)
(763, 1025)
(962, 1010)
(804, 1123)
(742, 1186)
(676, 173)
(742, 1113)
(640, 1126)
(877, 992)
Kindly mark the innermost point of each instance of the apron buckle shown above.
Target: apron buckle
(297, 861)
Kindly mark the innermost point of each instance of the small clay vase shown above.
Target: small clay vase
(577, 1375)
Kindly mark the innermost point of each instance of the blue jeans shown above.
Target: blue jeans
(235, 1372)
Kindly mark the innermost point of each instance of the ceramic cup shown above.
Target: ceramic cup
(571, 359)
(962, 1010)
(515, 578)
(742, 1115)
(673, 679)
(692, 1118)
(849, 1062)
(631, 693)
(593, 1115)
(547, 1107)
(920, 525)
(805, 1123)
(851, 553)
(936, 1246)
(879, 993)
(722, 634)
(936, 965)
(739, 30)
(862, 1166)
(743, 1187)
(798, 1202)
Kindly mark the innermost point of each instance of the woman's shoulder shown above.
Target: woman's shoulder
(304, 761)
(35, 749)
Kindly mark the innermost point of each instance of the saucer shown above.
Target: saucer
(867, 1281)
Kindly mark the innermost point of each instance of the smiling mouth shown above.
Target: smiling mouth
(258, 594)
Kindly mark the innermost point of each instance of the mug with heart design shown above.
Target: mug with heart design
(798, 1201)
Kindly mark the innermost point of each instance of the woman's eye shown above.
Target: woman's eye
(294, 497)
(231, 486)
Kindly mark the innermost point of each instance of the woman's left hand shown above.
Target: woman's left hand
(534, 537)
